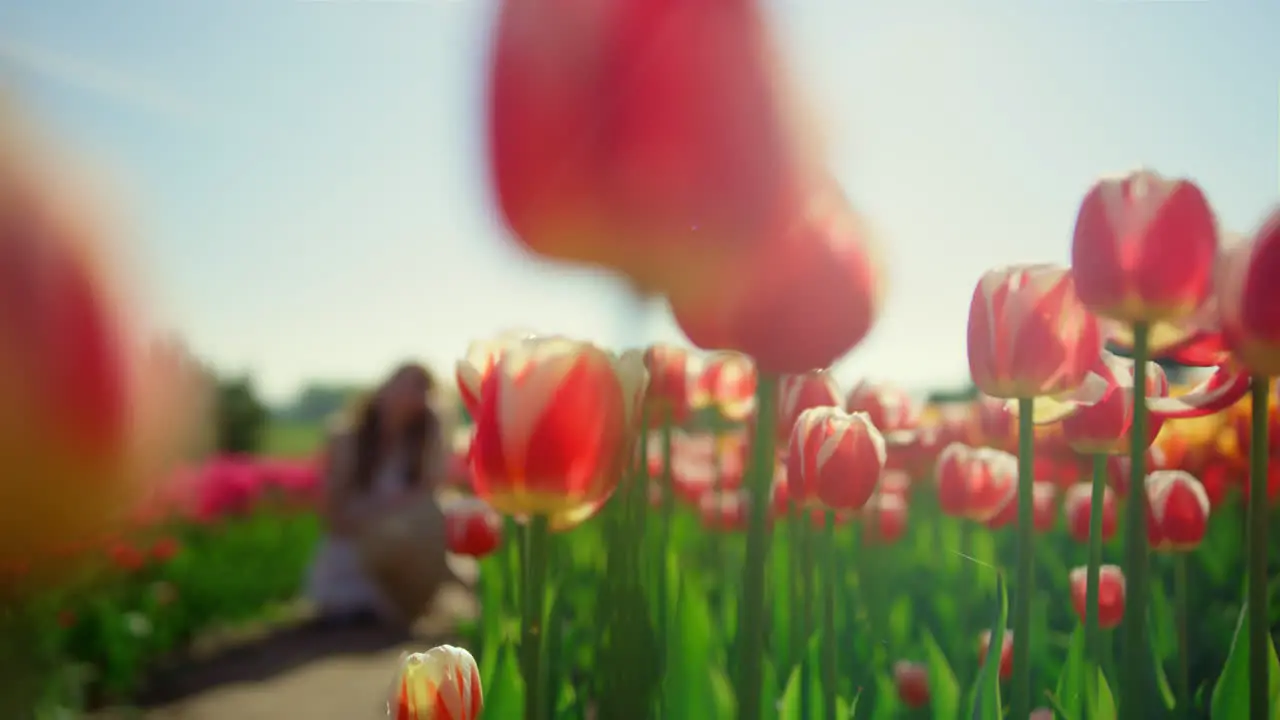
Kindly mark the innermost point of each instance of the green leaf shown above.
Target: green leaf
(1069, 692)
(986, 692)
(944, 689)
(687, 686)
(504, 690)
(789, 703)
(1102, 703)
(1230, 698)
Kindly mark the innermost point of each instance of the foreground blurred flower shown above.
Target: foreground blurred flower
(1029, 335)
(91, 409)
(1006, 652)
(825, 260)
(1143, 248)
(912, 681)
(607, 141)
(440, 684)
(1110, 594)
(835, 459)
(1178, 510)
(555, 426)
(1249, 299)
(1078, 508)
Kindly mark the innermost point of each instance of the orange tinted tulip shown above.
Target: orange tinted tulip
(1029, 335)
(1249, 299)
(1110, 594)
(834, 459)
(440, 684)
(1144, 247)
(556, 424)
(608, 142)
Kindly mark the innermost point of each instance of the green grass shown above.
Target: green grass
(291, 439)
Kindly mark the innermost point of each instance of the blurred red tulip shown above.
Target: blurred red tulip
(440, 684)
(997, 426)
(1143, 248)
(1110, 594)
(835, 459)
(884, 518)
(912, 681)
(91, 409)
(1248, 301)
(668, 395)
(797, 393)
(607, 141)
(1118, 468)
(556, 425)
(1029, 335)
(1101, 426)
(1077, 506)
(1006, 652)
(472, 528)
(890, 408)
(482, 357)
(727, 383)
(1178, 510)
(975, 483)
(1041, 714)
(826, 260)
(1044, 498)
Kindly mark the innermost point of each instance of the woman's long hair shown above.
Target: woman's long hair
(418, 431)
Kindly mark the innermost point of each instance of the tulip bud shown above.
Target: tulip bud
(1144, 247)
(890, 408)
(726, 383)
(912, 681)
(668, 394)
(440, 684)
(1006, 652)
(797, 393)
(1041, 714)
(1029, 335)
(556, 425)
(1248, 298)
(1110, 594)
(1178, 510)
(835, 458)
(1077, 505)
(472, 528)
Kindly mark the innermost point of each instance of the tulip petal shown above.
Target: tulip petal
(1219, 391)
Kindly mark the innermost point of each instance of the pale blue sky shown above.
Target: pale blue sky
(309, 185)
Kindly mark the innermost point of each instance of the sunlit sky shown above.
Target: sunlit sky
(307, 179)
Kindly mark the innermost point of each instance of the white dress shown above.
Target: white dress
(336, 582)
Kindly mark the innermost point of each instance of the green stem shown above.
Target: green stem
(1092, 633)
(1021, 680)
(1184, 638)
(531, 635)
(1259, 445)
(807, 596)
(830, 671)
(1136, 652)
(668, 512)
(751, 628)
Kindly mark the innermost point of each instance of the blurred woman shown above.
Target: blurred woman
(383, 464)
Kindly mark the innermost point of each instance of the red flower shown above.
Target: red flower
(797, 393)
(1248, 299)
(975, 483)
(884, 518)
(1101, 427)
(1077, 505)
(912, 681)
(726, 383)
(472, 528)
(556, 424)
(608, 142)
(890, 408)
(1043, 509)
(1110, 594)
(1143, 248)
(834, 459)
(1178, 510)
(1029, 335)
(668, 393)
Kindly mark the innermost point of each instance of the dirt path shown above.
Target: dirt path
(333, 674)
